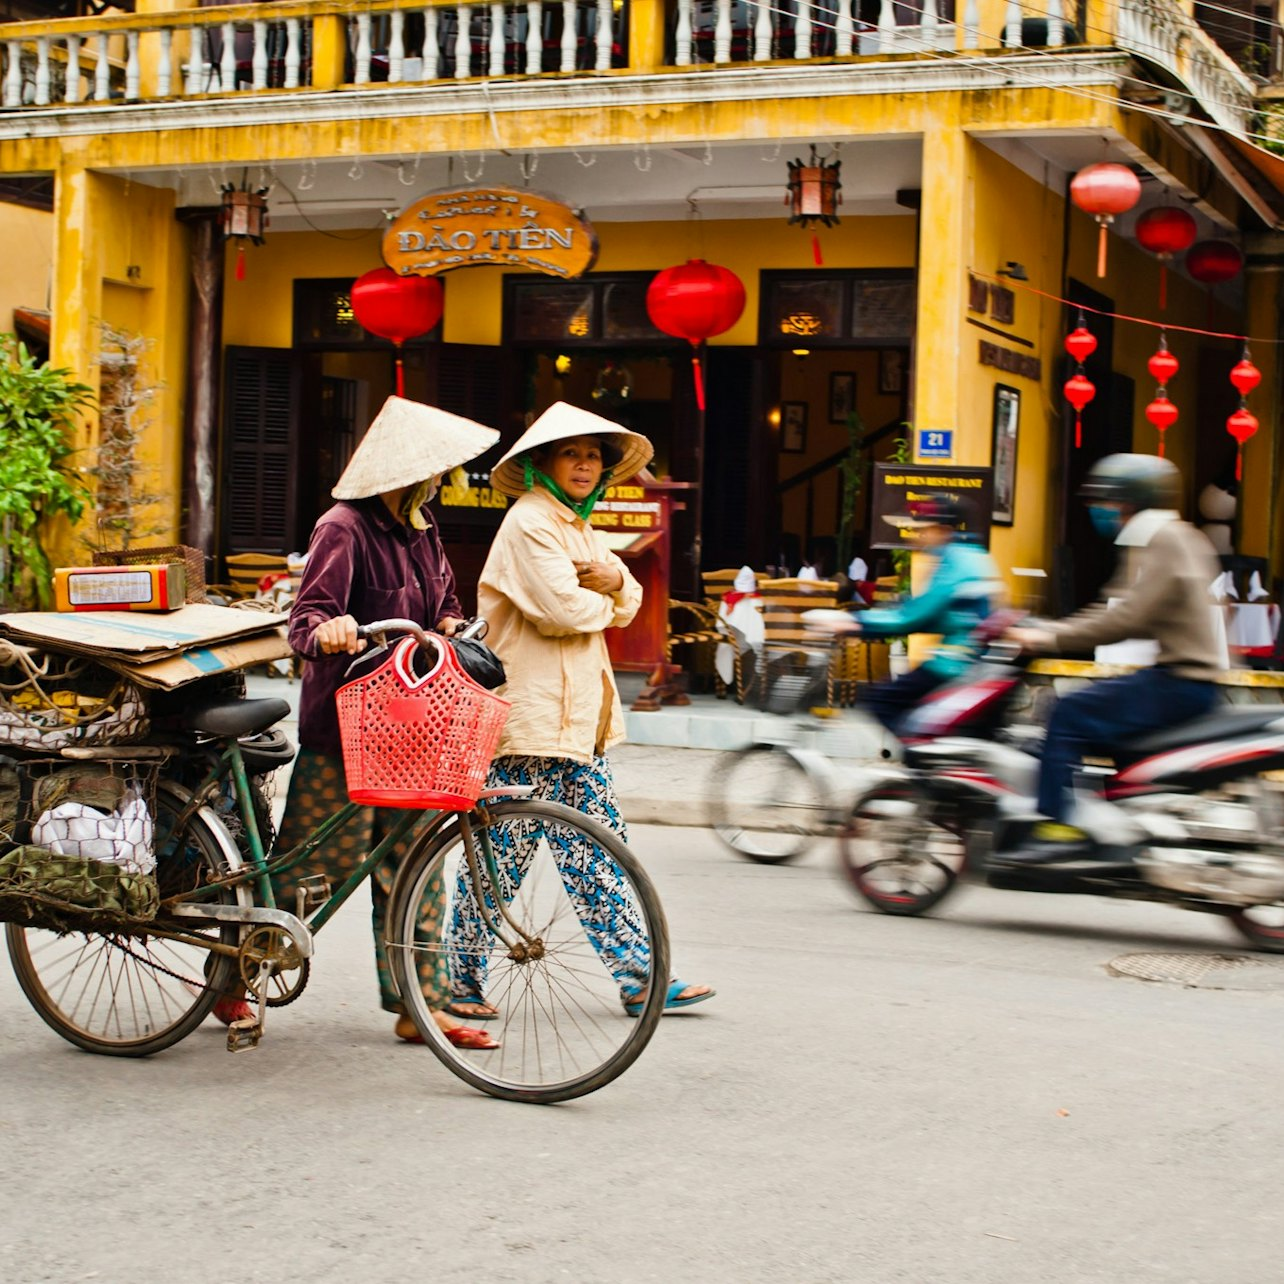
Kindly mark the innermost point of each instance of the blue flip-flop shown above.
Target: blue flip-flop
(633, 1006)
(472, 1016)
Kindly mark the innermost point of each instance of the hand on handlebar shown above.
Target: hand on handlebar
(339, 635)
(1034, 641)
(449, 625)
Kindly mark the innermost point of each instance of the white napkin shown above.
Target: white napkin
(1255, 589)
(858, 570)
(1218, 587)
(808, 573)
(746, 581)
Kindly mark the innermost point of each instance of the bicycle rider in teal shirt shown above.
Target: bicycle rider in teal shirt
(964, 589)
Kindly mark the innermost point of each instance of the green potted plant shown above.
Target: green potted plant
(39, 405)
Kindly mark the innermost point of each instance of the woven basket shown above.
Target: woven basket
(192, 558)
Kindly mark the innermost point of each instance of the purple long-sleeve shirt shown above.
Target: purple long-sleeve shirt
(364, 563)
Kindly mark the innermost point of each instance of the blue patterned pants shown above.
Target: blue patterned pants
(602, 900)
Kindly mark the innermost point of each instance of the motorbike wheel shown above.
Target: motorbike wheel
(1262, 926)
(902, 852)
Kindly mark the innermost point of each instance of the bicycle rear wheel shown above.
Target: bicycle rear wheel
(128, 994)
(560, 1021)
(766, 806)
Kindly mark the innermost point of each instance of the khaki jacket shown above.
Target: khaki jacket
(550, 632)
(1161, 591)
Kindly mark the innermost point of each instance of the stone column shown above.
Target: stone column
(204, 358)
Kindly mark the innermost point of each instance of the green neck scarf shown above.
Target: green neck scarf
(584, 507)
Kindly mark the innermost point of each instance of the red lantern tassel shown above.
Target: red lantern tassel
(1161, 445)
(240, 261)
(699, 380)
(1239, 464)
(1101, 252)
(401, 374)
(1163, 295)
(1078, 431)
(816, 255)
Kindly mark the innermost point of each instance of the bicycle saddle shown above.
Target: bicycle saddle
(237, 717)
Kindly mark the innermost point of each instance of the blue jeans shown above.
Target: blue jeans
(892, 700)
(1102, 715)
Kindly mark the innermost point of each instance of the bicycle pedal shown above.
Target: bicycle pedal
(244, 1034)
(311, 893)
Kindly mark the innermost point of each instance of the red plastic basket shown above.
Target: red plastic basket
(420, 742)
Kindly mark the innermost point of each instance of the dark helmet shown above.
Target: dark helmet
(1140, 481)
(937, 509)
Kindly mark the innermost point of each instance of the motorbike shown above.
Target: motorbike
(1191, 816)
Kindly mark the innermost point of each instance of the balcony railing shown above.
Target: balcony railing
(324, 45)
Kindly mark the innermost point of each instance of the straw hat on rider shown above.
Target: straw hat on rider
(624, 452)
(408, 443)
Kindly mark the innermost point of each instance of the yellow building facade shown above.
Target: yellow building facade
(670, 125)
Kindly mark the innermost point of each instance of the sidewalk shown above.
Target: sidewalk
(664, 772)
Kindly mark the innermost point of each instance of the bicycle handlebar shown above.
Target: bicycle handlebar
(474, 628)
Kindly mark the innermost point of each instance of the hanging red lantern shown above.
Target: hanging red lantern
(1081, 343)
(1163, 414)
(1163, 365)
(1165, 231)
(1241, 425)
(1245, 376)
(397, 308)
(1104, 191)
(694, 301)
(1213, 262)
(1079, 391)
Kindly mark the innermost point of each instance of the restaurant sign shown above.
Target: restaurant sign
(489, 227)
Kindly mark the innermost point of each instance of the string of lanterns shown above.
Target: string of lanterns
(1161, 412)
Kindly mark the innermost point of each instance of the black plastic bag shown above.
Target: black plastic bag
(479, 662)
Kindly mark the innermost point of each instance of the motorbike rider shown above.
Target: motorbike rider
(964, 588)
(1161, 592)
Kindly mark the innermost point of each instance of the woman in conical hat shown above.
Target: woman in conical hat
(550, 589)
(374, 555)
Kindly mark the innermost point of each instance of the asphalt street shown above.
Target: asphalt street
(968, 1098)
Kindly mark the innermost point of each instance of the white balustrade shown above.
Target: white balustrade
(1012, 24)
(802, 29)
(464, 43)
(42, 71)
(293, 60)
(73, 69)
(259, 58)
(133, 69)
(972, 24)
(843, 29)
(431, 59)
(570, 25)
(929, 24)
(102, 72)
(164, 63)
(496, 40)
(682, 35)
(227, 58)
(763, 32)
(396, 46)
(722, 32)
(604, 36)
(361, 71)
(1056, 23)
(886, 26)
(534, 38)
(13, 74)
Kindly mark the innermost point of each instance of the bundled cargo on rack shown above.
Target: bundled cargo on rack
(84, 843)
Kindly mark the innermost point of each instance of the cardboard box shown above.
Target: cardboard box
(177, 670)
(156, 586)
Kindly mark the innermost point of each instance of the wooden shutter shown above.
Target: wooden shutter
(257, 499)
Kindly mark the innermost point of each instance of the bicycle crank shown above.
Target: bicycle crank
(287, 972)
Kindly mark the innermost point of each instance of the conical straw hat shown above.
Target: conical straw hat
(408, 443)
(557, 423)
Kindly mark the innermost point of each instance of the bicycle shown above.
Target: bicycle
(772, 798)
(132, 987)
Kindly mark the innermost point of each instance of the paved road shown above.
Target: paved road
(966, 1099)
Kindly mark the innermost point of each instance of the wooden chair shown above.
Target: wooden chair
(715, 584)
(787, 639)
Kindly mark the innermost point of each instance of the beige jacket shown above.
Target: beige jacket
(549, 631)
(1166, 570)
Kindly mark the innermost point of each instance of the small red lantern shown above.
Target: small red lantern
(397, 308)
(1165, 231)
(1163, 365)
(1079, 391)
(1163, 414)
(1081, 343)
(1241, 425)
(1212, 262)
(1104, 191)
(694, 301)
(1245, 376)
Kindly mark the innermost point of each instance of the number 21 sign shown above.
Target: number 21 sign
(936, 443)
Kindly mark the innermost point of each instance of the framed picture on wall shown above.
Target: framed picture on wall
(793, 427)
(891, 369)
(1007, 419)
(842, 396)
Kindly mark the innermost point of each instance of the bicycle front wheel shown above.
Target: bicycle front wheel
(571, 927)
(766, 806)
(127, 993)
